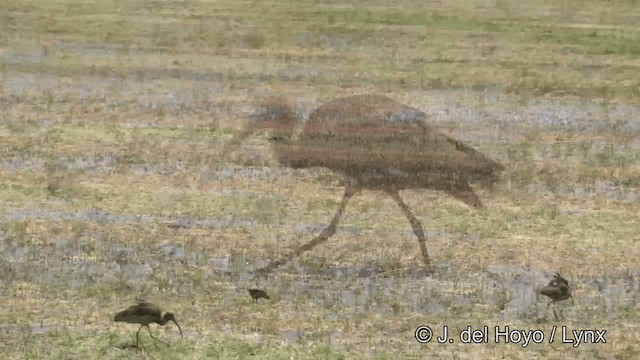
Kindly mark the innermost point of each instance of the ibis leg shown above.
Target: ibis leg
(138, 335)
(350, 190)
(416, 225)
(153, 337)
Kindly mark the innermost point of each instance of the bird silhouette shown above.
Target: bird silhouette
(257, 294)
(375, 143)
(558, 289)
(145, 313)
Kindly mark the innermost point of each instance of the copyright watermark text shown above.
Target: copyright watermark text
(510, 335)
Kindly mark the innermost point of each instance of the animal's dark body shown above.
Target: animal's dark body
(558, 289)
(257, 294)
(145, 313)
(375, 143)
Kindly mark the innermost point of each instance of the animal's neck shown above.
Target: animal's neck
(164, 320)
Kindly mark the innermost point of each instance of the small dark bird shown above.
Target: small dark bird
(257, 294)
(558, 289)
(145, 313)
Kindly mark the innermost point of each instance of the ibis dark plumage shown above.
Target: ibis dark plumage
(145, 313)
(257, 294)
(558, 289)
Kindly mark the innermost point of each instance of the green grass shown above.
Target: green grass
(73, 345)
(532, 48)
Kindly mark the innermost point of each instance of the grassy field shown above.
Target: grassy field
(113, 114)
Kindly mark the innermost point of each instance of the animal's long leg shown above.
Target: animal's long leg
(349, 191)
(553, 309)
(138, 336)
(415, 224)
(153, 337)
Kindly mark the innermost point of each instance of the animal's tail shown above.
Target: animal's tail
(120, 316)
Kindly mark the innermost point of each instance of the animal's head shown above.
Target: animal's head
(477, 167)
(274, 114)
(560, 279)
(170, 317)
(487, 172)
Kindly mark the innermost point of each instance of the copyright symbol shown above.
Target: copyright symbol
(423, 334)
